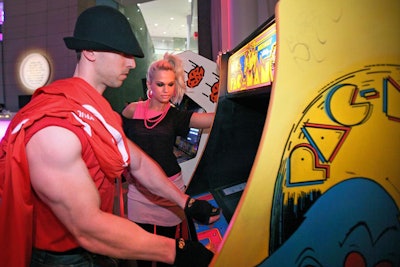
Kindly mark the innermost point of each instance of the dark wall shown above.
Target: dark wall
(41, 25)
(204, 28)
(32, 26)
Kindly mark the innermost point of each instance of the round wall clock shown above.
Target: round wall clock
(34, 71)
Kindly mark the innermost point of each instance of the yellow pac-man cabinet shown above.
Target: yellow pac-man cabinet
(324, 188)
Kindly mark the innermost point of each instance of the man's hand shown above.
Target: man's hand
(201, 211)
(191, 253)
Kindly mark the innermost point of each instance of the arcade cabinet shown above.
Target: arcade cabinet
(324, 189)
(246, 75)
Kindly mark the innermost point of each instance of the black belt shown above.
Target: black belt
(74, 251)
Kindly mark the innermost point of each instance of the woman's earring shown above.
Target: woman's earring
(149, 93)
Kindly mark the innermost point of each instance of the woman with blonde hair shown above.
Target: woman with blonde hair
(154, 124)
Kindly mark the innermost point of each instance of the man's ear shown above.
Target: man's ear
(89, 55)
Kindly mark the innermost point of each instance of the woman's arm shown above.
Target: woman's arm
(202, 120)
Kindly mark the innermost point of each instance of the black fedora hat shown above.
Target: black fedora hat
(104, 28)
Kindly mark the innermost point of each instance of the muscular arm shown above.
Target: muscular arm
(150, 174)
(60, 178)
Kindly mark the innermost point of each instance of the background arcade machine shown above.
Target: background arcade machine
(5, 120)
(246, 75)
(202, 83)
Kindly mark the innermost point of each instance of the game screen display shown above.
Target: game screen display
(186, 147)
(252, 66)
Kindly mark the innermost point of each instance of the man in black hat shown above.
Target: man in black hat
(62, 154)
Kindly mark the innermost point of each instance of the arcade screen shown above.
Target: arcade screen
(186, 147)
(252, 66)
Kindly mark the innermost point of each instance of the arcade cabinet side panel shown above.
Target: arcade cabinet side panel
(328, 144)
(202, 86)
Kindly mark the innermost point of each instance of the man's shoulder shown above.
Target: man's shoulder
(57, 125)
